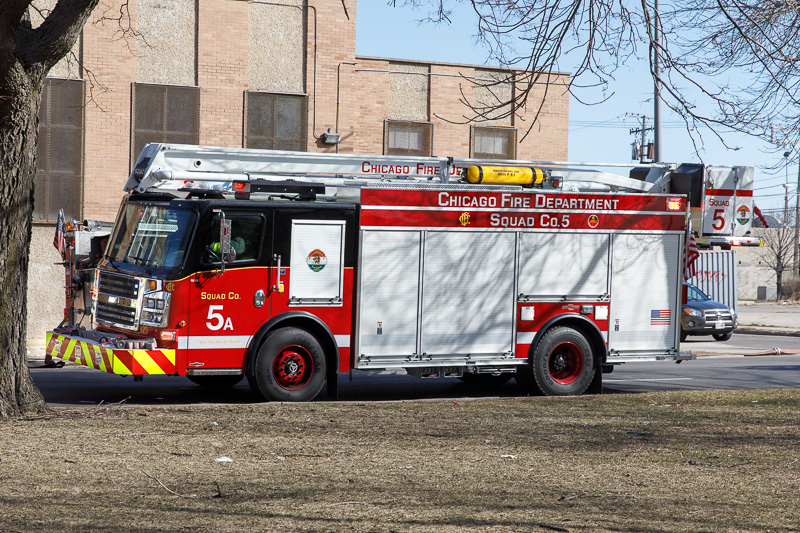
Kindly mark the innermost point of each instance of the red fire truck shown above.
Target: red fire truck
(290, 268)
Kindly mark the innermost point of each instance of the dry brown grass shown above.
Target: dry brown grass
(689, 461)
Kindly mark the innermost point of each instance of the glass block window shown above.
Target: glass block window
(408, 138)
(164, 114)
(276, 121)
(59, 156)
(494, 143)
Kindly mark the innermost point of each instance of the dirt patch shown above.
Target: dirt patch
(689, 461)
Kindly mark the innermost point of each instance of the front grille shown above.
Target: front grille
(715, 315)
(117, 300)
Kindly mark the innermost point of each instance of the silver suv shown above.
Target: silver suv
(703, 316)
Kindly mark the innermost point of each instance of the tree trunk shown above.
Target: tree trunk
(20, 95)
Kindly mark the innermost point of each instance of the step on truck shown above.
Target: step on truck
(292, 268)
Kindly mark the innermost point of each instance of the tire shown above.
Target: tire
(683, 336)
(722, 336)
(290, 366)
(563, 362)
(216, 382)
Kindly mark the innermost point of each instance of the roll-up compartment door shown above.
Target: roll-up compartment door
(644, 286)
(468, 292)
(389, 293)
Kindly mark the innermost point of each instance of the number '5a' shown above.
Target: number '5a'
(215, 319)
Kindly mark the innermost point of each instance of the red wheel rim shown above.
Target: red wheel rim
(565, 363)
(293, 367)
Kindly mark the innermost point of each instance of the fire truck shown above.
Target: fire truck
(291, 268)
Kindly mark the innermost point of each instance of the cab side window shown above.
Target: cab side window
(246, 230)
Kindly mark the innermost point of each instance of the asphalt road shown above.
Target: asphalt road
(720, 365)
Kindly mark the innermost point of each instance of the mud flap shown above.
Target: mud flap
(596, 386)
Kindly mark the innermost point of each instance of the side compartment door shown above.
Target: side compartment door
(389, 295)
(225, 309)
(644, 294)
(468, 293)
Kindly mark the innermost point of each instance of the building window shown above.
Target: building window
(494, 143)
(59, 156)
(164, 114)
(408, 138)
(276, 121)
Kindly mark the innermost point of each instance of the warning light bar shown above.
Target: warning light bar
(675, 204)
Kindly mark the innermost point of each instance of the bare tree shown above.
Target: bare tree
(778, 252)
(724, 65)
(27, 54)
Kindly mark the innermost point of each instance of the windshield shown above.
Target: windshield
(151, 236)
(695, 294)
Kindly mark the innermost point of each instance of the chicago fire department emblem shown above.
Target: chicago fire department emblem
(464, 218)
(594, 220)
(316, 260)
(743, 215)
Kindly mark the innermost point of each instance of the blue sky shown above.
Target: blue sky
(598, 133)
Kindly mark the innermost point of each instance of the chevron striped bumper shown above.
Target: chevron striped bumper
(114, 361)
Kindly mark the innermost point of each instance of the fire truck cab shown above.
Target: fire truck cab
(288, 269)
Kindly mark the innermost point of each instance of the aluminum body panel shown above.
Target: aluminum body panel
(468, 292)
(562, 265)
(644, 293)
(389, 289)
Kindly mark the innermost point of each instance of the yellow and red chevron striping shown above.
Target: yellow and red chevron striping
(113, 361)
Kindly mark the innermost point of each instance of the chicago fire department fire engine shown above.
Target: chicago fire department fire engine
(289, 268)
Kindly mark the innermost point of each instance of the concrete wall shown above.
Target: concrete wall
(754, 270)
(45, 286)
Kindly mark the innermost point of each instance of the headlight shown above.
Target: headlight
(692, 312)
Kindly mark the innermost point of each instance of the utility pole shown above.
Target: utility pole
(643, 147)
(657, 93)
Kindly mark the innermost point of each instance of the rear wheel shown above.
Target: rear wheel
(722, 336)
(563, 362)
(289, 367)
(217, 382)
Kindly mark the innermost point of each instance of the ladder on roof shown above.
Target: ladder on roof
(170, 166)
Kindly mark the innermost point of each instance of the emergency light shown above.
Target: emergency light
(675, 204)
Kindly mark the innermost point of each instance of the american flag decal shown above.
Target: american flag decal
(660, 317)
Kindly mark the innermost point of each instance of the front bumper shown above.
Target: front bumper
(699, 326)
(104, 357)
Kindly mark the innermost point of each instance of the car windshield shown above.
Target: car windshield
(151, 236)
(695, 294)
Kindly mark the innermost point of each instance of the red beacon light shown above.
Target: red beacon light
(675, 204)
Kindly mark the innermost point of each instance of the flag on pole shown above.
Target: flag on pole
(692, 253)
(58, 240)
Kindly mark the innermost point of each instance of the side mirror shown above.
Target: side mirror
(227, 254)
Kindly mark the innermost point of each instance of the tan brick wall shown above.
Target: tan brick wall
(112, 64)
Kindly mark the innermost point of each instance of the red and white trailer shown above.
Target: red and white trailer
(291, 268)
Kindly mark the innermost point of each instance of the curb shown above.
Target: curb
(749, 331)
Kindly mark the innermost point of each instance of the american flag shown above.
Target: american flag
(689, 266)
(58, 240)
(660, 317)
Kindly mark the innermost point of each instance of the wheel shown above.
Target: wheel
(683, 336)
(217, 382)
(722, 336)
(486, 380)
(563, 362)
(289, 367)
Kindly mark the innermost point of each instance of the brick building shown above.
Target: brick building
(241, 73)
